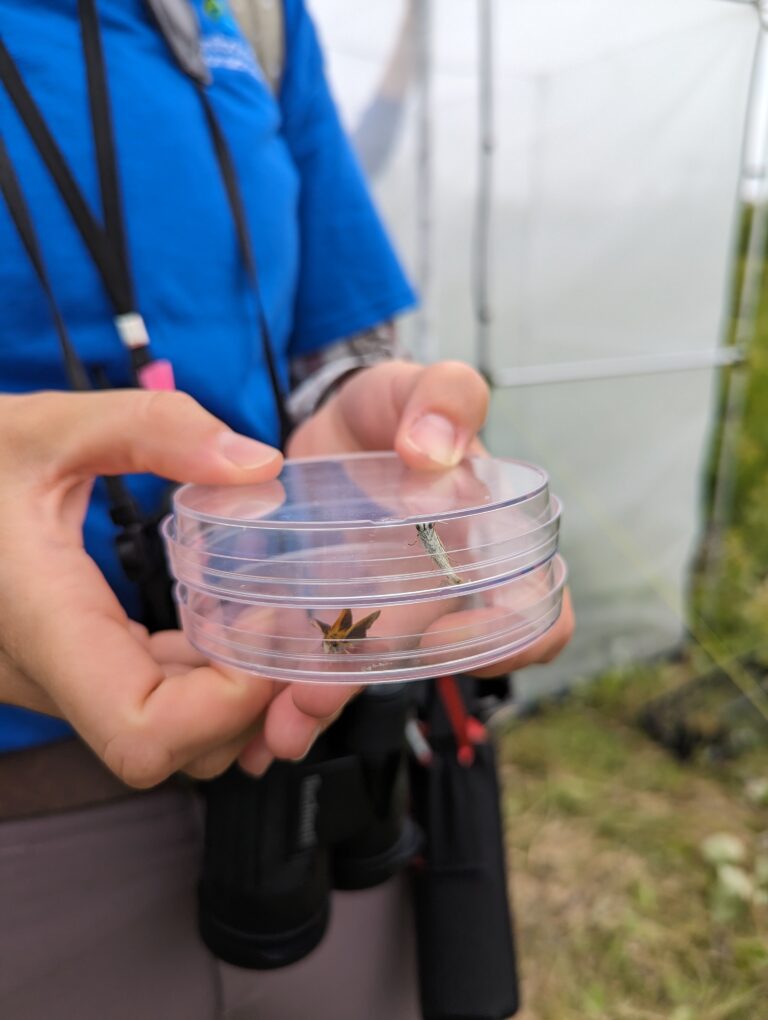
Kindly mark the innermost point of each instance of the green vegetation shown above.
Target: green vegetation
(730, 592)
(640, 883)
(620, 915)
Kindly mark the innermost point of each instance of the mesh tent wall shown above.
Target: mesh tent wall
(587, 153)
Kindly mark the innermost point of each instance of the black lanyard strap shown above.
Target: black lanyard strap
(107, 242)
(137, 538)
(17, 206)
(112, 267)
(103, 136)
(235, 199)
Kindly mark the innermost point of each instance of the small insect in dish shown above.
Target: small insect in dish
(434, 546)
(338, 636)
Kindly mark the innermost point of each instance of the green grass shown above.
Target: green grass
(619, 915)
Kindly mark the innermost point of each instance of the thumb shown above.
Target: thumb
(441, 415)
(133, 431)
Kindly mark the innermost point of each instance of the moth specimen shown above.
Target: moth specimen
(434, 546)
(338, 636)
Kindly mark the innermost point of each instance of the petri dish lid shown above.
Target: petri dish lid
(363, 528)
(358, 490)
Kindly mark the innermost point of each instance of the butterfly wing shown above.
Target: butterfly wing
(342, 623)
(360, 629)
(338, 628)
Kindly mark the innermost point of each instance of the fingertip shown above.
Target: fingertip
(300, 713)
(428, 445)
(256, 757)
(444, 411)
(246, 454)
(288, 733)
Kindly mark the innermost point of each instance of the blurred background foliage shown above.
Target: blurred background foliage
(730, 584)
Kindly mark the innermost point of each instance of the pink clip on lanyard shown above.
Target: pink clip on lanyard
(154, 374)
(157, 375)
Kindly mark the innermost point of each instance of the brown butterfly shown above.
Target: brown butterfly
(342, 630)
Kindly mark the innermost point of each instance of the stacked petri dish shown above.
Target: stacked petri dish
(358, 569)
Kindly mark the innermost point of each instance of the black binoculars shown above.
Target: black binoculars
(357, 810)
(276, 846)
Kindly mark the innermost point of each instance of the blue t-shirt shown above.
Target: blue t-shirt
(326, 266)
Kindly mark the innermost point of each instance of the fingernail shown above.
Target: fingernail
(435, 436)
(244, 452)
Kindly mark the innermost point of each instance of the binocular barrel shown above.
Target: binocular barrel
(275, 846)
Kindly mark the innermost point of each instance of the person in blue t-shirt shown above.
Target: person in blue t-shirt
(98, 886)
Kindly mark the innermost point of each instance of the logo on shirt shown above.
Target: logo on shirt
(222, 44)
(215, 8)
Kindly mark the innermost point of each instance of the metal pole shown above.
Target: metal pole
(482, 242)
(616, 368)
(425, 347)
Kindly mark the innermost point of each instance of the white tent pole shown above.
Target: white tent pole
(594, 369)
(487, 144)
(424, 344)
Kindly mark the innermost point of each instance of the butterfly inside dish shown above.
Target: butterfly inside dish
(339, 635)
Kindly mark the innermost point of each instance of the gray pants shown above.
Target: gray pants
(97, 922)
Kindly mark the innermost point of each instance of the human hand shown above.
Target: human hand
(431, 416)
(148, 706)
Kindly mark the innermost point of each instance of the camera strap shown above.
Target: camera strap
(464, 928)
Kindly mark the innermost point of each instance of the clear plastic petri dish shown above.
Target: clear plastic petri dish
(358, 569)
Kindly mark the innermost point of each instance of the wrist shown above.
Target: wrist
(317, 376)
